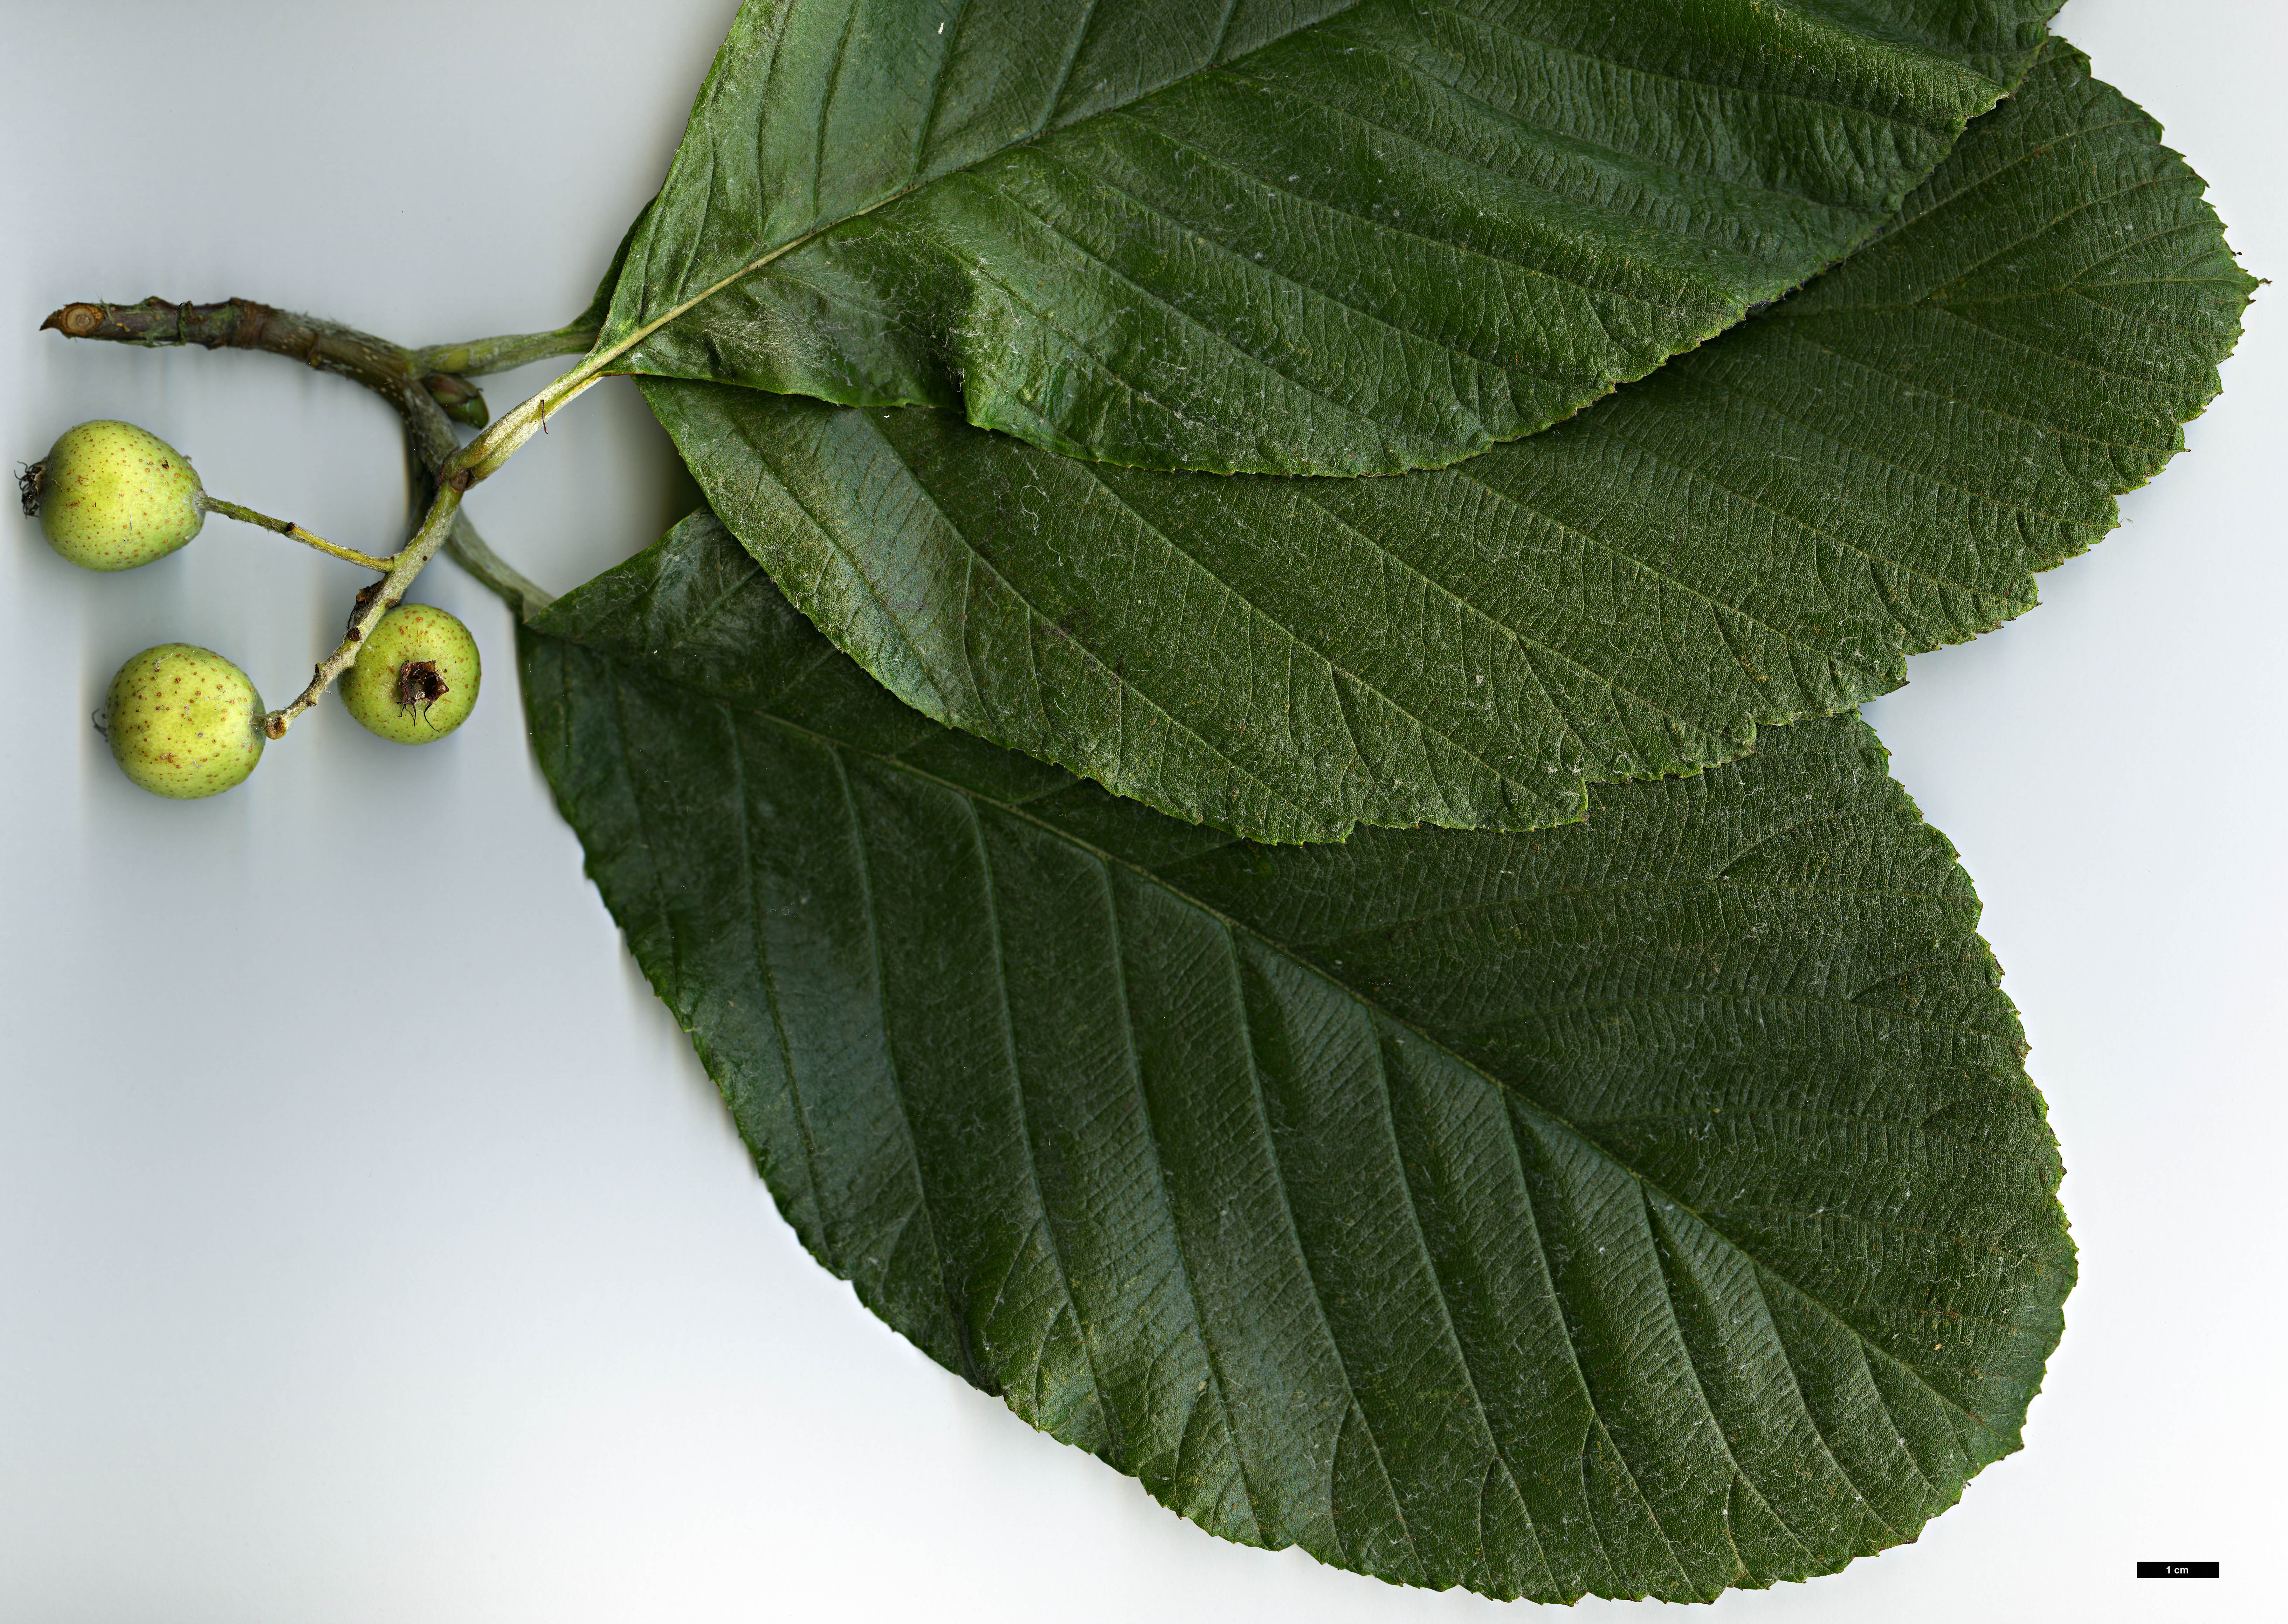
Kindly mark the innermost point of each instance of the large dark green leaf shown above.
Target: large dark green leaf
(1760, 532)
(1645, 1207)
(1334, 236)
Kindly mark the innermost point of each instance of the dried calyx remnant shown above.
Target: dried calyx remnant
(419, 686)
(29, 481)
(416, 676)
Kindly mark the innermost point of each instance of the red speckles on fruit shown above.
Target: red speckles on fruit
(416, 677)
(178, 741)
(110, 496)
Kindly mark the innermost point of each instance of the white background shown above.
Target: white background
(371, 1246)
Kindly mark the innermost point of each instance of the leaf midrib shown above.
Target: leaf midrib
(645, 329)
(1365, 1000)
(1522, 638)
(1046, 127)
(1794, 327)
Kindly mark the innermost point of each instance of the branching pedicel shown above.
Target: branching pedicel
(421, 385)
(429, 389)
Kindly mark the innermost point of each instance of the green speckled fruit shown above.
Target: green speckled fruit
(184, 722)
(111, 496)
(416, 678)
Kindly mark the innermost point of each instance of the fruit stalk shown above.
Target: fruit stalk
(288, 528)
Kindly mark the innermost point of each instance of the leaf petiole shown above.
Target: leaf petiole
(482, 456)
(478, 356)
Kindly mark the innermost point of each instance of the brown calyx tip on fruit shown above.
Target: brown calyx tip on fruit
(418, 684)
(416, 677)
(28, 481)
(75, 321)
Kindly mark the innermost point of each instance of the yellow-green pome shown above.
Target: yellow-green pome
(183, 722)
(112, 496)
(415, 678)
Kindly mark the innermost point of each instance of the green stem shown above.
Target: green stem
(478, 356)
(423, 398)
(427, 400)
(388, 370)
(434, 443)
(288, 527)
(482, 456)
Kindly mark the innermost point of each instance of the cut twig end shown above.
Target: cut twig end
(75, 321)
